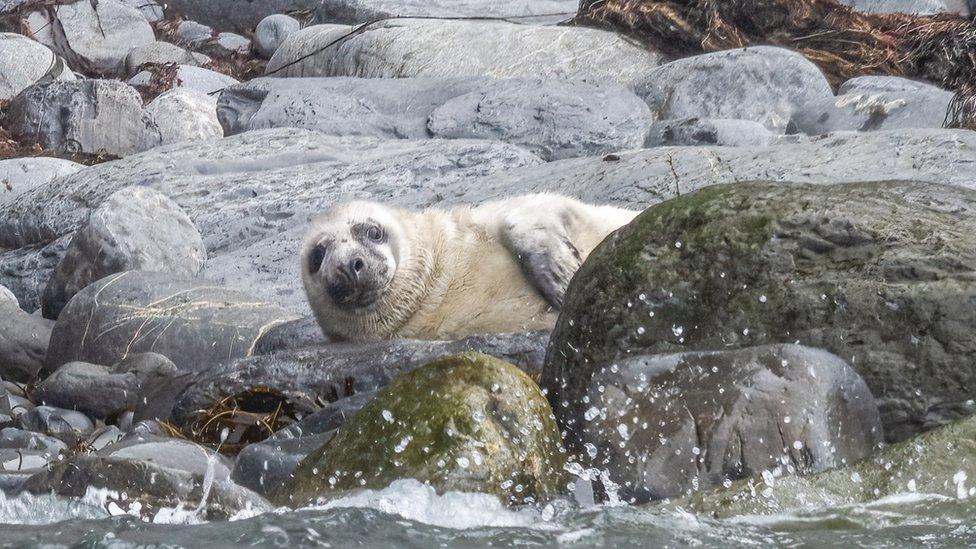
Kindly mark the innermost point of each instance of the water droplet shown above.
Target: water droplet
(387, 415)
(786, 419)
(677, 330)
(399, 448)
(590, 450)
(478, 416)
(640, 330)
(677, 244)
(762, 299)
(591, 413)
(463, 462)
(797, 445)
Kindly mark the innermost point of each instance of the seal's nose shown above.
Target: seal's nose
(356, 268)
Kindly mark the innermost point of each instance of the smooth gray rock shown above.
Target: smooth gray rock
(552, 119)
(184, 114)
(763, 84)
(261, 189)
(18, 175)
(14, 461)
(26, 62)
(90, 389)
(89, 116)
(150, 9)
(333, 372)
(233, 42)
(66, 425)
(297, 334)
(202, 80)
(192, 33)
(272, 31)
(180, 455)
(93, 37)
(918, 7)
(135, 229)
(24, 340)
(451, 49)
(160, 53)
(8, 298)
(665, 425)
(152, 486)
(194, 323)
(708, 131)
(876, 84)
(25, 271)
(16, 439)
(869, 111)
(265, 467)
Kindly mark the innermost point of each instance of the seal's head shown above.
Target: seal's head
(351, 255)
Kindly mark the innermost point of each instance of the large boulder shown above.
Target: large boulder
(763, 84)
(251, 196)
(89, 116)
(25, 62)
(193, 323)
(272, 31)
(879, 274)
(663, 425)
(923, 107)
(24, 340)
(160, 53)
(550, 118)
(185, 114)
(467, 422)
(25, 271)
(450, 49)
(940, 463)
(94, 37)
(135, 229)
(19, 175)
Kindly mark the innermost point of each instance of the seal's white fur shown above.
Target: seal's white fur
(455, 274)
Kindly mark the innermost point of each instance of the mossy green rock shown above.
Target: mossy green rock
(881, 274)
(941, 462)
(467, 422)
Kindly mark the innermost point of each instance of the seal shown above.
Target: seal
(374, 272)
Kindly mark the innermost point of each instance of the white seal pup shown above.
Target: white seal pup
(375, 272)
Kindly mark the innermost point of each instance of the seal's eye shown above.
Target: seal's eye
(374, 233)
(315, 259)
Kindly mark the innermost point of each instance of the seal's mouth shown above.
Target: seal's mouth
(356, 296)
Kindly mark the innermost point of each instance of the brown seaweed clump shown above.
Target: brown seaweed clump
(843, 42)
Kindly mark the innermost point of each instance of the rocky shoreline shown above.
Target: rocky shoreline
(788, 322)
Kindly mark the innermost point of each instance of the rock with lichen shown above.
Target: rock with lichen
(467, 422)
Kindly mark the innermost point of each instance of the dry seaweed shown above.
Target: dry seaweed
(843, 42)
(233, 422)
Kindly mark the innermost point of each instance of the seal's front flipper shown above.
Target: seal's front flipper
(540, 242)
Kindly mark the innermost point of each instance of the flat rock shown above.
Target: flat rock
(159, 53)
(336, 371)
(297, 334)
(184, 114)
(135, 229)
(843, 268)
(66, 425)
(763, 84)
(17, 439)
(180, 455)
(18, 175)
(876, 84)
(87, 116)
(863, 110)
(452, 49)
(26, 62)
(233, 42)
(193, 323)
(24, 340)
(551, 119)
(918, 7)
(664, 425)
(260, 189)
(192, 33)
(94, 37)
(89, 388)
(708, 131)
(272, 31)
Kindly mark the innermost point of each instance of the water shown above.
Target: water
(409, 514)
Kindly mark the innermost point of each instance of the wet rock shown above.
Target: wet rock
(66, 425)
(17, 439)
(708, 131)
(452, 49)
(483, 426)
(303, 378)
(251, 196)
(763, 84)
(192, 33)
(89, 116)
(26, 62)
(23, 460)
(937, 463)
(272, 31)
(24, 341)
(919, 7)
(193, 323)
(136, 228)
(869, 111)
(297, 334)
(664, 425)
(184, 114)
(232, 42)
(26, 271)
(842, 267)
(93, 37)
(551, 119)
(18, 175)
(152, 487)
(160, 53)
(89, 388)
(179, 455)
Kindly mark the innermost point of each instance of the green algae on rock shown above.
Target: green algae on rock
(881, 274)
(940, 462)
(467, 422)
